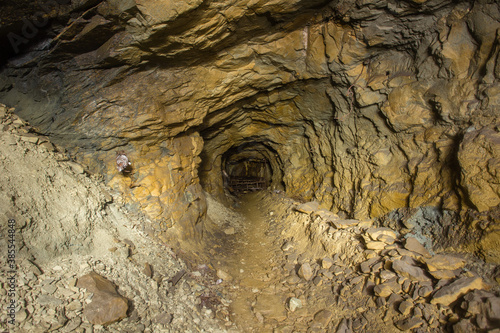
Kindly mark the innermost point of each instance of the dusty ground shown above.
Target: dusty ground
(270, 263)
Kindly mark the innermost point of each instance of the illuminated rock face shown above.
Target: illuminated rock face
(364, 108)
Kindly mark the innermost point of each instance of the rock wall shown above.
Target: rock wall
(366, 106)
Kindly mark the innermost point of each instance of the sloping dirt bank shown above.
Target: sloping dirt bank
(67, 225)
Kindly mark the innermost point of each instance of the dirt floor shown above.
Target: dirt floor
(292, 267)
(272, 264)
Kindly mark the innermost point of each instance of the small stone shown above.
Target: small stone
(223, 275)
(373, 245)
(427, 312)
(49, 289)
(325, 214)
(323, 317)
(386, 239)
(72, 325)
(163, 318)
(375, 233)
(365, 266)
(493, 309)
(30, 138)
(21, 316)
(287, 246)
(369, 285)
(107, 305)
(425, 291)
(343, 327)
(74, 306)
(67, 293)
(33, 268)
(394, 298)
(444, 262)
(106, 308)
(336, 270)
(305, 271)
(412, 244)
(405, 285)
(443, 274)
(326, 263)
(377, 267)
(308, 207)
(417, 312)
(48, 146)
(46, 300)
(72, 282)
(148, 270)
(380, 302)
(294, 304)
(464, 326)
(450, 293)
(230, 231)
(481, 321)
(412, 272)
(365, 224)
(318, 281)
(386, 275)
(344, 224)
(327, 274)
(292, 279)
(382, 290)
(409, 323)
(77, 168)
(405, 307)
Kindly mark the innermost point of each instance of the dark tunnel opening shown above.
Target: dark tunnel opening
(250, 167)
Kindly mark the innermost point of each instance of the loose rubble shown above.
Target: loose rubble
(328, 274)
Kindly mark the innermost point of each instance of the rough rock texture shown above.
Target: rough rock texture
(365, 107)
(107, 305)
(456, 289)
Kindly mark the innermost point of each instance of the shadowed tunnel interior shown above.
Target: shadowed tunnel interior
(248, 168)
(294, 133)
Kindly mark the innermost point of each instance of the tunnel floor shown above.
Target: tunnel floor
(263, 275)
(286, 266)
(249, 257)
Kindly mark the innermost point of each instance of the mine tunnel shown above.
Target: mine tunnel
(316, 120)
(250, 167)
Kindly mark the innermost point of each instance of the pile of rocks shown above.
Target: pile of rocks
(74, 296)
(406, 283)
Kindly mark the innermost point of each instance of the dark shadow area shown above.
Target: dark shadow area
(249, 167)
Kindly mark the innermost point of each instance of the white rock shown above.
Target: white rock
(294, 304)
